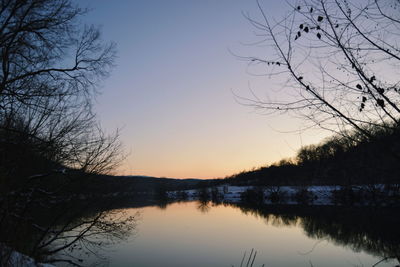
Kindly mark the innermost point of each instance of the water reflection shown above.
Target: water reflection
(85, 240)
(62, 232)
(209, 234)
(374, 231)
(204, 206)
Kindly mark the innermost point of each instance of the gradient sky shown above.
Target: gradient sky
(171, 91)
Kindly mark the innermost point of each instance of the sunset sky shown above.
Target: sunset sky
(172, 90)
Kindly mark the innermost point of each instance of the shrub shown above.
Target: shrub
(254, 196)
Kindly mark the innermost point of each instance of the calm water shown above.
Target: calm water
(191, 234)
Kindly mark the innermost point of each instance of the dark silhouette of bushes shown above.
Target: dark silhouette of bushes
(346, 195)
(276, 195)
(216, 195)
(203, 194)
(304, 196)
(253, 196)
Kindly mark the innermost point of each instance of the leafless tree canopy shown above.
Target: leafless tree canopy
(50, 67)
(339, 60)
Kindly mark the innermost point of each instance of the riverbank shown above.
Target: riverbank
(10, 257)
(358, 195)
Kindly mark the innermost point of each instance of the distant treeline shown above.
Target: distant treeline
(339, 160)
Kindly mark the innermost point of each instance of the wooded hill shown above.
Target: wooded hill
(339, 160)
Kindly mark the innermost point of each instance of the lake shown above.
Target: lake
(195, 234)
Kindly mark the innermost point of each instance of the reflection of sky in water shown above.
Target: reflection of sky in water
(182, 235)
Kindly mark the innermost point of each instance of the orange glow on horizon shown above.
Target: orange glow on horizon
(224, 161)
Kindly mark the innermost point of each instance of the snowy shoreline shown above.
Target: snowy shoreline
(320, 195)
(10, 257)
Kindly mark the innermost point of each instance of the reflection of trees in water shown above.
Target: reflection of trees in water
(66, 232)
(269, 218)
(87, 236)
(370, 233)
(373, 231)
(204, 206)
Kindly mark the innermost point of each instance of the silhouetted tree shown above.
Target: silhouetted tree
(49, 72)
(253, 196)
(216, 195)
(203, 194)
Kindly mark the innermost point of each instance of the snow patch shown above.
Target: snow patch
(12, 258)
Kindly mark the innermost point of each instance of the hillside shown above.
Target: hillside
(110, 184)
(339, 160)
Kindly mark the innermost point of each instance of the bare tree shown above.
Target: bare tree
(50, 70)
(338, 61)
